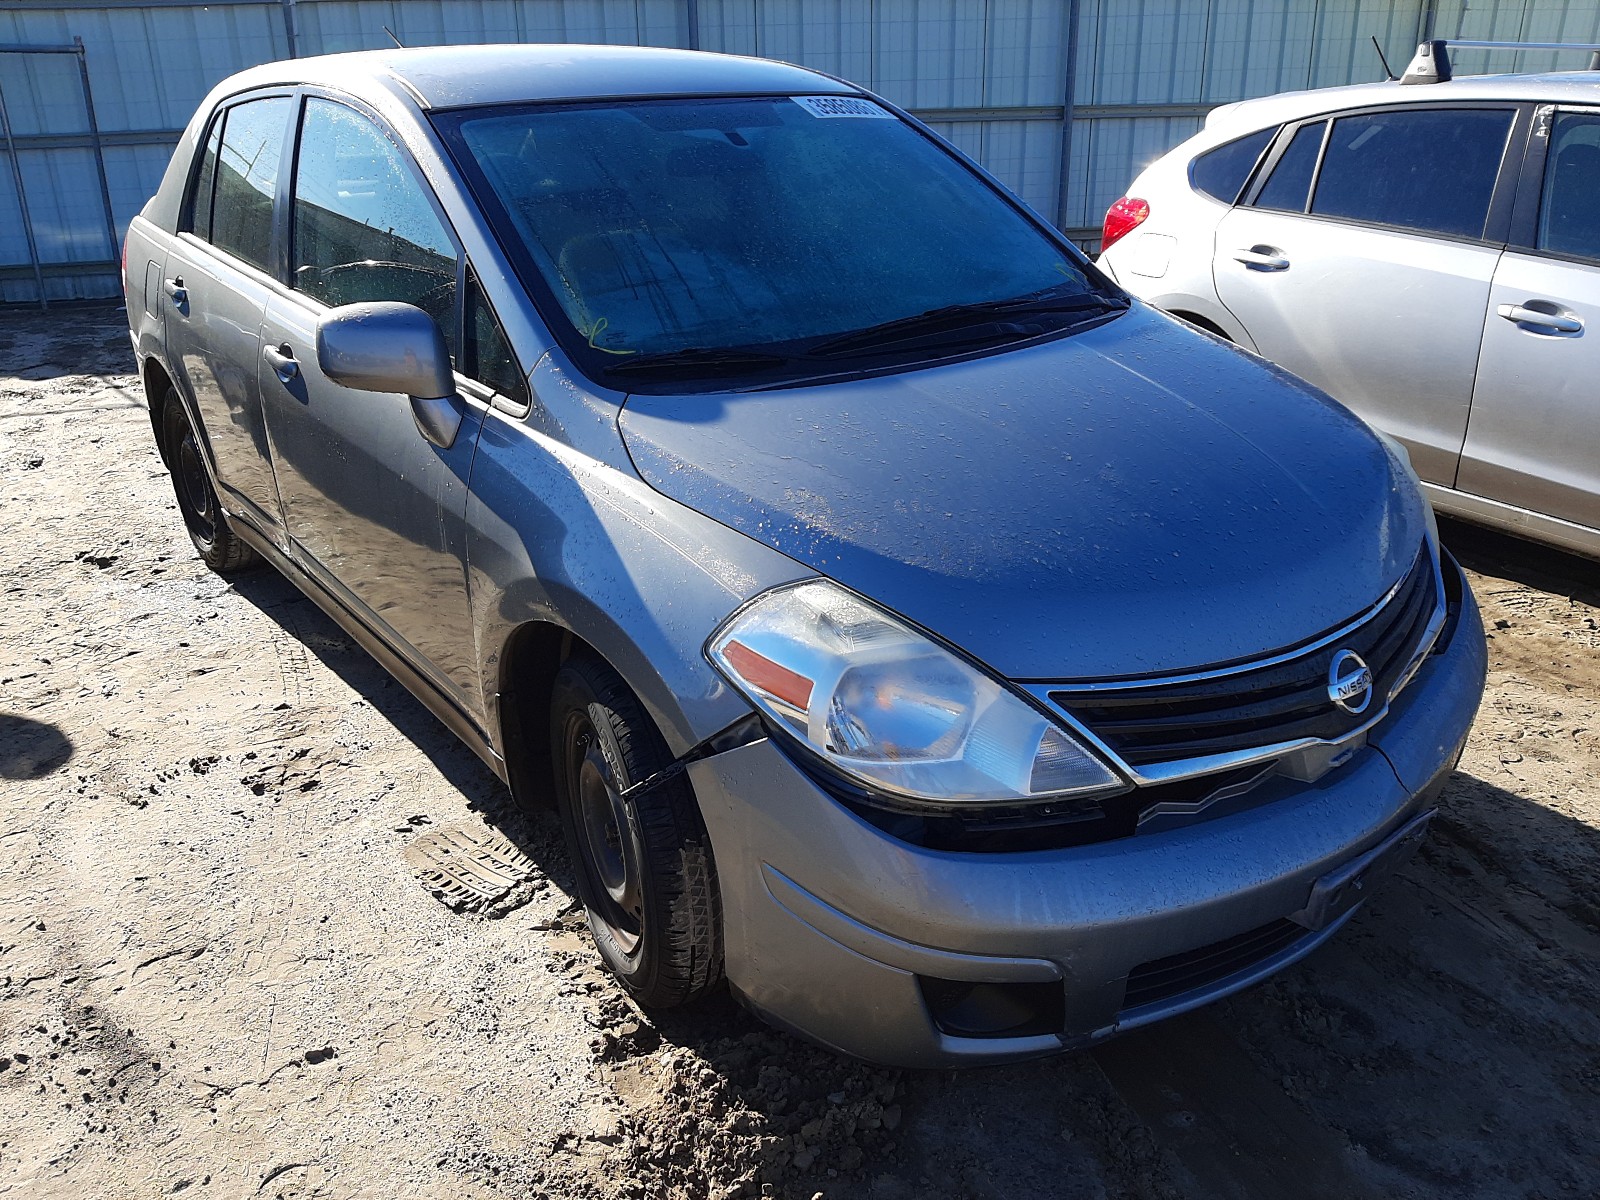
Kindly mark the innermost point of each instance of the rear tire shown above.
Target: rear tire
(219, 547)
(643, 865)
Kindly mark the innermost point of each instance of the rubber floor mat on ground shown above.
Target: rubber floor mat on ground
(469, 869)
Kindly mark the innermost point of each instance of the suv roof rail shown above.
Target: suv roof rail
(1432, 61)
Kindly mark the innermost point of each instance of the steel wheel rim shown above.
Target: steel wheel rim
(609, 847)
(193, 488)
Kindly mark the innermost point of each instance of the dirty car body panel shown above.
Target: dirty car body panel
(1187, 664)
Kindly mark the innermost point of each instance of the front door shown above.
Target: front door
(1534, 440)
(1368, 275)
(375, 510)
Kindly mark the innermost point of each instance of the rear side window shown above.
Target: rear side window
(1221, 173)
(364, 228)
(1290, 182)
(204, 182)
(247, 179)
(1433, 171)
(1569, 218)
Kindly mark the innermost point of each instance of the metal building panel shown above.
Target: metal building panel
(1025, 54)
(1107, 153)
(1023, 155)
(1519, 21)
(1342, 48)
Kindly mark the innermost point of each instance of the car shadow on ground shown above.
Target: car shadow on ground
(1546, 568)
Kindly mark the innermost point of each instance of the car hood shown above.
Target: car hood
(1131, 499)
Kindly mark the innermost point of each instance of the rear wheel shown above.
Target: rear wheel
(218, 546)
(643, 863)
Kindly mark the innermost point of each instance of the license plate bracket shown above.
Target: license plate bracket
(1341, 889)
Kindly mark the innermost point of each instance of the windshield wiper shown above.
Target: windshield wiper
(954, 316)
(694, 360)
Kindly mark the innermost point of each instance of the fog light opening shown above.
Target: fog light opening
(994, 1010)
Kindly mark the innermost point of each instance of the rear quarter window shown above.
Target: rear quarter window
(1221, 173)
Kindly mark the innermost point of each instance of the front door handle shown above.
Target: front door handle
(1542, 321)
(1262, 258)
(176, 291)
(282, 360)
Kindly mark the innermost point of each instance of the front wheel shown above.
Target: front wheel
(643, 864)
(219, 547)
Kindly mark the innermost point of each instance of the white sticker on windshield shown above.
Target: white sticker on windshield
(841, 106)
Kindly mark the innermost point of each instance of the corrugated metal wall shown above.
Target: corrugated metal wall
(991, 75)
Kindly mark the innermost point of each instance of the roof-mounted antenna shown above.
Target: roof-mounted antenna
(394, 39)
(1431, 64)
(1382, 58)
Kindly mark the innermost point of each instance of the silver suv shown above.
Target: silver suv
(963, 659)
(1428, 255)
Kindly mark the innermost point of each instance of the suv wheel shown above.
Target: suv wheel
(643, 864)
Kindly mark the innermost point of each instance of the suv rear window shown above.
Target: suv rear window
(1221, 173)
(1430, 170)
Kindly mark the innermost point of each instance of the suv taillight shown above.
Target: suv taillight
(1122, 218)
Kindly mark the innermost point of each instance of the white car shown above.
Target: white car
(1429, 256)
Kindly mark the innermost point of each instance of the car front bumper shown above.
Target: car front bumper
(850, 937)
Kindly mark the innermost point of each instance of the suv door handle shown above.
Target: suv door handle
(1262, 258)
(175, 289)
(282, 360)
(1542, 322)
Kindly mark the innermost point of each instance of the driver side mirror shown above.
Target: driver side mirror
(384, 346)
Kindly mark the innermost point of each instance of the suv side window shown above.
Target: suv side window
(364, 227)
(1221, 173)
(1569, 216)
(247, 179)
(1432, 170)
(1290, 183)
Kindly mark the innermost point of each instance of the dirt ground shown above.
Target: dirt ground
(219, 976)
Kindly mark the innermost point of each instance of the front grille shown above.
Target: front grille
(1164, 722)
(1163, 978)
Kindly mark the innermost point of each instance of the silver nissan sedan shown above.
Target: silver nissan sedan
(963, 660)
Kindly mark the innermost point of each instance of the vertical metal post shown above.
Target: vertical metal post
(1073, 7)
(1426, 19)
(99, 152)
(691, 11)
(22, 200)
(291, 31)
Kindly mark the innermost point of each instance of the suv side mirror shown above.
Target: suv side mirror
(383, 346)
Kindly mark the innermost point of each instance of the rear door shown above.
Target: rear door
(1361, 261)
(1534, 439)
(217, 277)
(374, 509)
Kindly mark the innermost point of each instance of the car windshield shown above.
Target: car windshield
(701, 236)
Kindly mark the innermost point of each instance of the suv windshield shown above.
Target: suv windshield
(754, 239)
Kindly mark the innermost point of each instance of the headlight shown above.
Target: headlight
(890, 709)
(1401, 457)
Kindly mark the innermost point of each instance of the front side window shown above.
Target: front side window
(1430, 170)
(1569, 216)
(769, 224)
(1290, 182)
(363, 227)
(1221, 173)
(247, 179)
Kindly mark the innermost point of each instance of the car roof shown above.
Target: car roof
(1559, 87)
(455, 76)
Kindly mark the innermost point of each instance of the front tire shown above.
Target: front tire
(643, 865)
(218, 546)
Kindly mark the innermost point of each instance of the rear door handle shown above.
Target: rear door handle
(1543, 322)
(175, 289)
(282, 360)
(1262, 258)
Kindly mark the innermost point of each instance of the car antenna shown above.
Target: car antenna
(394, 39)
(1382, 59)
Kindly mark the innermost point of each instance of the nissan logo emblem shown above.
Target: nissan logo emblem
(1350, 682)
